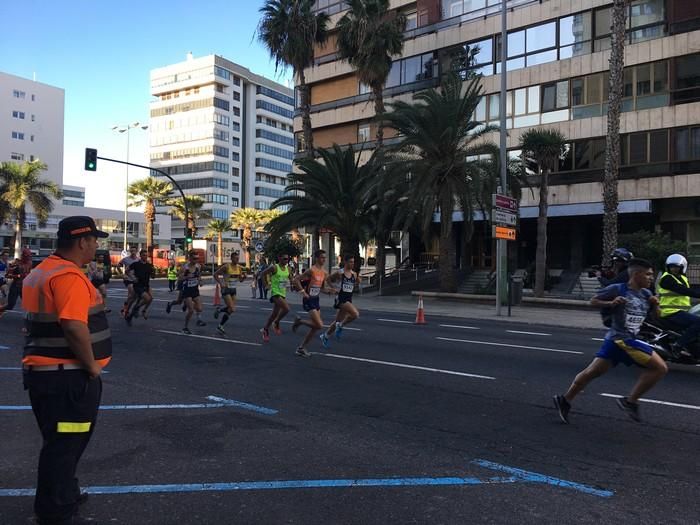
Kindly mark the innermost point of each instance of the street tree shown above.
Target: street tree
(195, 203)
(147, 192)
(217, 228)
(249, 220)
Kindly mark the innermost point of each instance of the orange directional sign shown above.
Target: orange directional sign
(500, 232)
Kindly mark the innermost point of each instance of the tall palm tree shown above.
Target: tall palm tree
(612, 149)
(440, 143)
(147, 192)
(329, 193)
(289, 29)
(21, 184)
(194, 208)
(544, 147)
(368, 38)
(248, 220)
(216, 228)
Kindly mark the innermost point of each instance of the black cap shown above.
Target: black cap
(79, 226)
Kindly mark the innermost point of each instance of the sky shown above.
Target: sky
(101, 53)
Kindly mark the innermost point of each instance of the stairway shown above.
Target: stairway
(476, 282)
(589, 286)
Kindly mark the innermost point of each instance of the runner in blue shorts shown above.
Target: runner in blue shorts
(631, 302)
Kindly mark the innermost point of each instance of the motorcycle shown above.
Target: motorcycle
(660, 334)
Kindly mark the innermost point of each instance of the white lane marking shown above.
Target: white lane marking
(526, 333)
(403, 365)
(460, 326)
(395, 321)
(266, 308)
(220, 339)
(597, 339)
(510, 346)
(326, 326)
(657, 402)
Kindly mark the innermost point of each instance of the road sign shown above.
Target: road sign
(504, 218)
(504, 202)
(259, 246)
(501, 232)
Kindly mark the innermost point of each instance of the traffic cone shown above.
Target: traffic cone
(217, 295)
(420, 314)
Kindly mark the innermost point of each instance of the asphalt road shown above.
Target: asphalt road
(447, 423)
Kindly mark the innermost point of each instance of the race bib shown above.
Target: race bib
(191, 283)
(633, 322)
(314, 291)
(348, 287)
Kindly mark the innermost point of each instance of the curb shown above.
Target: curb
(545, 302)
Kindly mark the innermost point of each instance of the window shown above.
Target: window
(555, 96)
(529, 47)
(687, 143)
(589, 154)
(589, 95)
(235, 186)
(18, 114)
(411, 69)
(263, 104)
(272, 150)
(220, 151)
(411, 20)
(575, 33)
(262, 90)
(235, 156)
(221, 72)
(219, 214)
(269, 192)
(33, 117)
(236, 96)
(274, 137)
(234, 203)
(236, 126)
(687, 79)
(221, 135)
(18, 94)
(236, 111)
(16, 156)
(363, 133)
(31, 138)
(236, 81)
(273, 164)
(17, 135)
(236, 142)
(235, 172)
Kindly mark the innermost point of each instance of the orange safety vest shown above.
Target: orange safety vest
(46, 343)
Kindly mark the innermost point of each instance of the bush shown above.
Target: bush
(652, 246)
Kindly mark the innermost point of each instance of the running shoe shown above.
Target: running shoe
(168, 307)
(324, 341)
(302, 352)
(338, 331)
(200, 323)
(221, 330)
(631, 409)
(296, 324)
(186, 331)
(144, 314)
(108, 310)
(265, 335)
(277, 329)
(216, 313)
(563, 406)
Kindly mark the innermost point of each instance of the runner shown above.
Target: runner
(317, 282)
(98, 274)
(191, 277)
(227, 276)
(280, 280)
(347, 312)
(631, 302)
(4, 265)
(128, 283)
(140, 272)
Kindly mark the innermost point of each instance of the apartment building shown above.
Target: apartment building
(222, 132)
(31, 123)
(558, 61)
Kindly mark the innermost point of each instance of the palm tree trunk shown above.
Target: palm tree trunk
(447, 247)
(541, 255)
(220, 249)
(378, 94)
(18, 236)
(612, 150)
(315, 241)
(305, 94)
(381, 257)
(247, 236)
(149, 236)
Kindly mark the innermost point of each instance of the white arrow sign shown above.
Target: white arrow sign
(503, 217)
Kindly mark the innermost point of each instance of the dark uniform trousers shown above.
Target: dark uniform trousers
(65, 403)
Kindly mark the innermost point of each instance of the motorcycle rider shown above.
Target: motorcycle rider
(618, 274)
(674, 295)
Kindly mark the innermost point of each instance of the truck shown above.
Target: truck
(210, 250)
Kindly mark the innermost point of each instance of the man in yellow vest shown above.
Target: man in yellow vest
(674, 301)
(68, 343)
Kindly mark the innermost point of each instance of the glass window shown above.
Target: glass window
(628, 86)
(363, 133)
(394, 78)
(643, 79)
(594, 91)
(574, 29)
(541, 37)
(577, 92)
(645, 12)
(549, 97)
(542, 58)
(520, 101)
(494, 106)
(482, 51)
(533, 99)
(603, 22)
(580, 48)
(658, 146)
(411, 20)
(638, 148)
(562, 94)
(451, 8)
(480, 112)
(682, 150)
(410, 69)
(695, 143)
(427, 65)
(687, 71)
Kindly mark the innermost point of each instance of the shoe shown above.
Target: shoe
(277, 329)
(168, 307)
(338, 331)
(108, 310)
(302, 352)
(221, 330)
(200, 323)
(632, 409)
(296, 324)
(216, 313)
(144, 315)
(265, 335)
(187, 331)
(324, 341)
(563, 406)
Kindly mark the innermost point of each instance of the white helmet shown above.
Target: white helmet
(677, 260)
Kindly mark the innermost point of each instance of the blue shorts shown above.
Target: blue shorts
(312, 303)
(627, 351)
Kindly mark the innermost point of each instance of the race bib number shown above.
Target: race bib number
(191, 283)
(348, 287)
(314, 291)
(633, 322)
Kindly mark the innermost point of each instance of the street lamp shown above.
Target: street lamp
(126, 129)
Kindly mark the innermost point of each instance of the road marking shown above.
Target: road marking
(265, 308)
(219, 402)
(510, 346)
(4, 347)
(526, 333)
(395, 321)
(597, 339)
(326, 326)
(10, 368)
(460, 326)
(657, 402)
(515, 475)
(403, 365)
(220, 339)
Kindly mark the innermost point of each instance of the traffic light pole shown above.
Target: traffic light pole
(182, 193)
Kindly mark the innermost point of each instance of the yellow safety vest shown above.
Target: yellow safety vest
(671, 302)
(172, 274)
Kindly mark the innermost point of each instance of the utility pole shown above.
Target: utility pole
(501, 244)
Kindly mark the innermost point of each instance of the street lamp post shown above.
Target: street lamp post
(126, 129)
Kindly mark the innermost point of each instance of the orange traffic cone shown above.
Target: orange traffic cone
(217, 295)
(420, 314)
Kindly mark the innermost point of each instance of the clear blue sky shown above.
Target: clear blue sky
(101, 53)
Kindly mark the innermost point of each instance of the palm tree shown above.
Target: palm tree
(289, 29)
(194, 208)
(147, 192)
(249, 220)
(21, 185)
(612, 149)
(217, 228)
(330, 193)
(368, 38)
(544, 147)
(440, 143)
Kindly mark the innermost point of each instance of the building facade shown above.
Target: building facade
(31, 123)
(73, 196)
(222, 132)
(558, 61)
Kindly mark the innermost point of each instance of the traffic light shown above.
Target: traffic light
(188, 235)
(90, 159)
